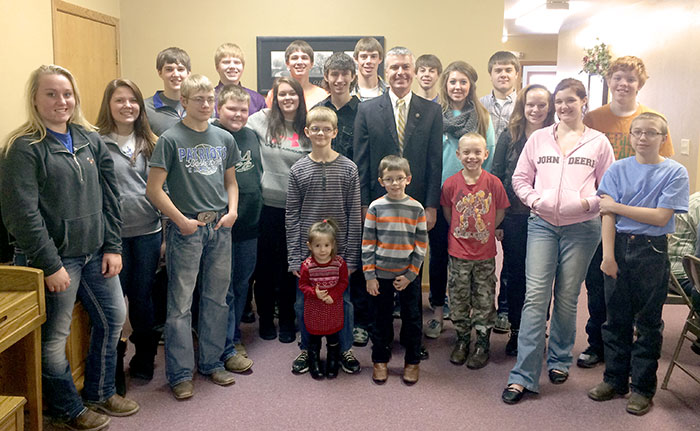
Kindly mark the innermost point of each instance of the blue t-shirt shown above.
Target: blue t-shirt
(65, 138)
(661, 185)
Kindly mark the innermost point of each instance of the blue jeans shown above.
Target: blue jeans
(556, 255)
(243, 256)
(348, 319)
(140, 255)
(102, 299)
(183, 256)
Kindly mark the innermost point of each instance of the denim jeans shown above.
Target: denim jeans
(382, 328)
(559, 256)
(635, 299)
(513, 271)
(183, 256)
(243, 256)
(140, 255)
(348, 318)
(103, 301)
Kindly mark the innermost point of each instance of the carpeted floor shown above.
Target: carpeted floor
(447, 397)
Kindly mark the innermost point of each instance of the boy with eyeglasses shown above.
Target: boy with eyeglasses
(197, 161)
(323, 185)
(639, 196)
(625, 77)
(394, 242)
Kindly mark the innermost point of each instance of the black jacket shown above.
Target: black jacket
(56, 204)
(376, 137)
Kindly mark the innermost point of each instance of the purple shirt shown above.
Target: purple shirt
(257, 102)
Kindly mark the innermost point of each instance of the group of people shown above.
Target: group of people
(328, 199)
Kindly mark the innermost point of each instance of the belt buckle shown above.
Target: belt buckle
(206, 216)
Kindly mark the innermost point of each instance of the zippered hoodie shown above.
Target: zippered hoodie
(560, 181)
(60, 204)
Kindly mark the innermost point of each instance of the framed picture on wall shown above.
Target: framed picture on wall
(271, 65)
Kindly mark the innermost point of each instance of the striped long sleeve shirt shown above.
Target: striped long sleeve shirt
(323, 190)
(395, 239)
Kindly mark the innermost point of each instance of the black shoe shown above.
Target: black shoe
(248, 317)
(589, 359)
(349, 363)
(287, 337)
(268, 331)
(424, 355)
(512, 344)
(695, 347)
(301, 363)
(141, 368)
(460, 352)
(558, 377)
(332, 361)
(315, 364)
(511, 395)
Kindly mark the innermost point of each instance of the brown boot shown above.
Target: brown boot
(379, 375)
(410, 373)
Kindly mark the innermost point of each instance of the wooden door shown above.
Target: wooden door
(86, 43)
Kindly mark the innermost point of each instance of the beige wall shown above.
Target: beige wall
(465, 30)
(666, 39)
(534, 48)
(26, 32)
(22, 52)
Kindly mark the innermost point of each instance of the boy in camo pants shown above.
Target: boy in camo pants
(474, 203)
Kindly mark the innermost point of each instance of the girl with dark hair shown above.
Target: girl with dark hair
(124, 127)
(557, 176)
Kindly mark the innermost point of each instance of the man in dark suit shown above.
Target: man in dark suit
(404, 124)
(377, 134)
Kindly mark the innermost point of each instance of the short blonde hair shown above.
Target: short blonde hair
(652, 116)
(321, 114)
(471, 136)
(195, 83)
(228, 50)
(235, 93)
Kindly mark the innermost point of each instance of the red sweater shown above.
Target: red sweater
(321, 318)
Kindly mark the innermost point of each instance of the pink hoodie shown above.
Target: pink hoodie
(561, 181)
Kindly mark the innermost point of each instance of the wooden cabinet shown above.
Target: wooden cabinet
(12, 413)
(22, 311)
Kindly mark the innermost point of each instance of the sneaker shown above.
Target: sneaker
(88, 420)
(116, 405)
(348, 362)
(512, 344)
(240, 348)
(446, 311)
(479, 358)
(433, 329)
(183, 390)
(222, 377)
(238, 363)
(502, 325)
(589, 359)
(301, 363)
(360, 337)
(638, 404)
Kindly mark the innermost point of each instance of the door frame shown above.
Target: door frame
(79, 11)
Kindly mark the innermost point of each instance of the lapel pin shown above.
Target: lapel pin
(417, 114)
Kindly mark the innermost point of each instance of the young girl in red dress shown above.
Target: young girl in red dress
(323, 279)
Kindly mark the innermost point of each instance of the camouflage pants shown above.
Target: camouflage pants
(472, 289)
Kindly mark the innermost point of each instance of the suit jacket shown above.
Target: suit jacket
(376, 137)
